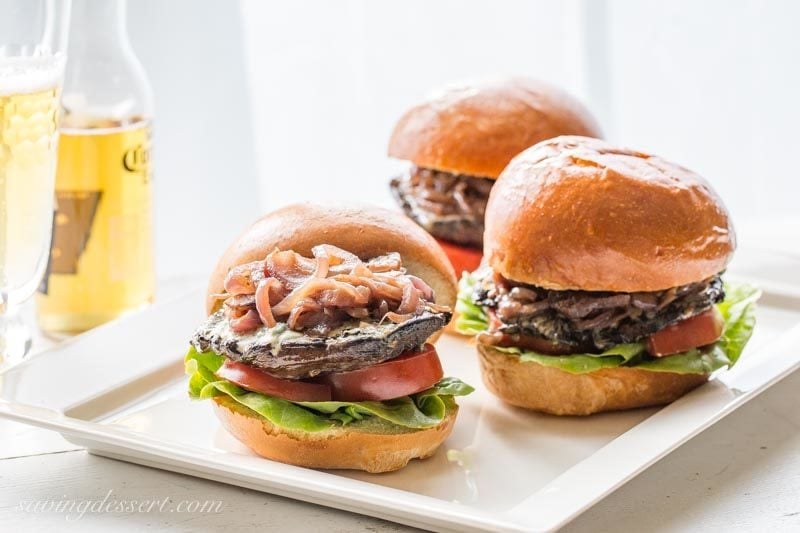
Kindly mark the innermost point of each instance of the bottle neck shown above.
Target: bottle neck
(99, 23)
(103, 79)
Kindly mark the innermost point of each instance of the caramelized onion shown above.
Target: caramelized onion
(323, 292)
(396, 317)
(340, 261)
(385, 263)
(240, 278)
(263, 305)
(312, 287)
(248, 322)
(425, 289)
(323, 261)
(410, 299)
(438, 308)
(358, 312)
(289, 268)
(298, 315)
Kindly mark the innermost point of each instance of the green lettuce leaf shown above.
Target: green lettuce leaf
(419, 411)
(472, 319)
(581, 363)
(738, 312)
(694, 361)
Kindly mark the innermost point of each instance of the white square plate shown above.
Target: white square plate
(120, 391)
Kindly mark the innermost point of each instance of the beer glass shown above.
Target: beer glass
(32, 59)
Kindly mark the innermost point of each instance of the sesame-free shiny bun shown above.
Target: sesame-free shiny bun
(581, 213)
(477, 128)
(365, 231)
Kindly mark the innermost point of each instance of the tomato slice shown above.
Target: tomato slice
(461, 257)
(407, 374)
(699, 330)
(253, 379)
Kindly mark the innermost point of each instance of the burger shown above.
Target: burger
(318, 346)
(603, 287)
(459, 140)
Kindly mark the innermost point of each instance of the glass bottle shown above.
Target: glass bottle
(101, 258)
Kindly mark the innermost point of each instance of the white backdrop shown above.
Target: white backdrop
(261, 103)
(331, 78)
(711, 84)
(714, 85)
(204, 168)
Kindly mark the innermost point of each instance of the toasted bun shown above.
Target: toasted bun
(476, 128)
(580, 213)
(366, 232)
(550, 390)
(350, 447)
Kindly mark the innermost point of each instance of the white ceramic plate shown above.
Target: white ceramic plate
(120, 391)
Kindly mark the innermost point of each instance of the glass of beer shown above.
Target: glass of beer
(32, 58)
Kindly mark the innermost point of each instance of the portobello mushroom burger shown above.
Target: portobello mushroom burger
(318, 346)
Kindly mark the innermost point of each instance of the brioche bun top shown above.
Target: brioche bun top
(581, 213)
(477, 128)
(365, 231)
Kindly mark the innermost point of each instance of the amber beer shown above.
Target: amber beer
(101, 259)
(28, 139)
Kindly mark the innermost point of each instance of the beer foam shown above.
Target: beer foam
(21, 75)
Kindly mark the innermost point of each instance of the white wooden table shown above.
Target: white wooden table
(743, 474)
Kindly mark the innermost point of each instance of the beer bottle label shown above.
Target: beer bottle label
(75, 211)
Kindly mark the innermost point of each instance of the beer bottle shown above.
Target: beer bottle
(101, 257)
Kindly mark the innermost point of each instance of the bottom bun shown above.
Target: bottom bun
(550, 390)
(374, 447)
